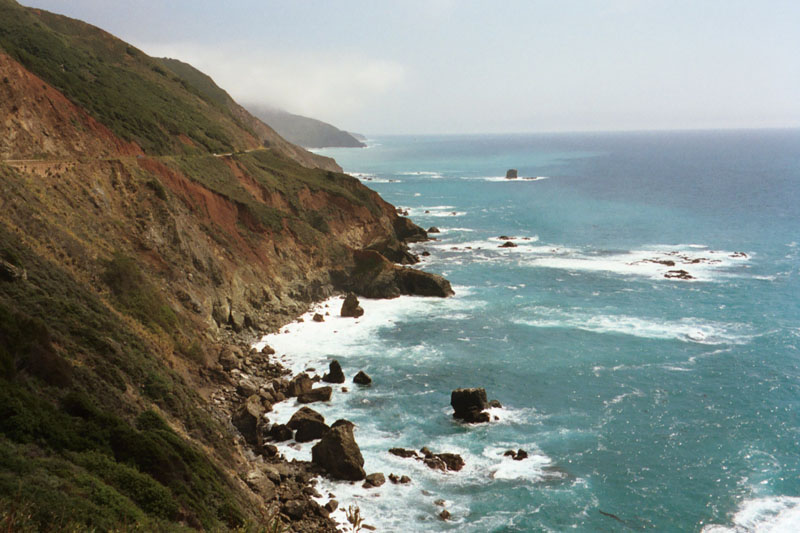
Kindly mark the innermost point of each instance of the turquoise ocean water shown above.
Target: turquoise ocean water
(671, 404)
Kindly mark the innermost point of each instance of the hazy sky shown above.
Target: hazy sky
(446, 66)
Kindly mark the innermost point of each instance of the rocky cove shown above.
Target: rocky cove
(286, 457)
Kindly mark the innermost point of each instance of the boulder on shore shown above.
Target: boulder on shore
(280, 432)
(335, 374)
(469, 404)
(434, 229)
(339, 455)
(374, 480)
(247, 417)
(300, 384)
(362, 378)
(310, 425)
(320, 394)
(350, 307)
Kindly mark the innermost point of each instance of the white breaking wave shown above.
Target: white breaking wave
(777, 514)
(686, 329)
(373, 178)
(434, 211)
(657, 262)
(430, 174)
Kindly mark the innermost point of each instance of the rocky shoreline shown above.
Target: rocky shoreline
(252, 382)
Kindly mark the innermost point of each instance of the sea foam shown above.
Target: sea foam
(685, 329)
(777, 514)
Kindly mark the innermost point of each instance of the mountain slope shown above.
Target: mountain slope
(131, 93)
(307, 132)
(133, 256)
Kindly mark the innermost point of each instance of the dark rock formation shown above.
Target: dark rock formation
(511, 174)
(362, 378)
(320, 394)
(374, 480)
(309, 424)
(374, 276)
(468, 405)
(678, 274)
(407, 231)
(452, 461)
(318, 318)
(434, 229)
(338, 454)
(518, 455)
(444, 515)
(247, 417)
(280, 433)
(402, 452)
(335, 374)
(508, 244)
(495, 404)
(300, 384)
(393, 250)
(350, 307)
(435, 461)
(268, 350)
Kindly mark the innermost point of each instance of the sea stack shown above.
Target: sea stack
(511, 174)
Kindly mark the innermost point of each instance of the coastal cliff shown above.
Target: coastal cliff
(149, 226)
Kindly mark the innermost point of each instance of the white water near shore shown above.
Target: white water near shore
(306, 345)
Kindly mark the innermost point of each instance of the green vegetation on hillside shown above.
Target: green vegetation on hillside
(305, 131)
(75, 448)
(131, 93)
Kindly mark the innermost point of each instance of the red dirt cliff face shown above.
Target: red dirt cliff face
(38, 121)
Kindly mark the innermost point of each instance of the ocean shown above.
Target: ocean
(643, 336)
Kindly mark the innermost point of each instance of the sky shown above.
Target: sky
(475, 66)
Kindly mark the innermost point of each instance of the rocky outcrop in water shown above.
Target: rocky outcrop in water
(308, 425)
(350, 307)
(335, 374)
(376, 277)
(469, 405)
(339, 455)
(362, 378)
(511, 174)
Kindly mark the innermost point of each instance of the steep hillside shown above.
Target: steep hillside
(138, 247)
(132, 94)
(308, 132)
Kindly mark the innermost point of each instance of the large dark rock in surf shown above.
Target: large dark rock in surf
(374, 276)
(678, 274)
(280, 432)
(309, 424)
(469, 404)
(350, 307)
(320, 394)
(339, 455)
(511, 174)
(394, 251)
(300, 384)
(407, 231)
(362, 378)
(421, 283)
(335, 374)
(374, 480)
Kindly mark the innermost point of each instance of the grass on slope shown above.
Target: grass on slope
(131, 93)
(77, 449)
